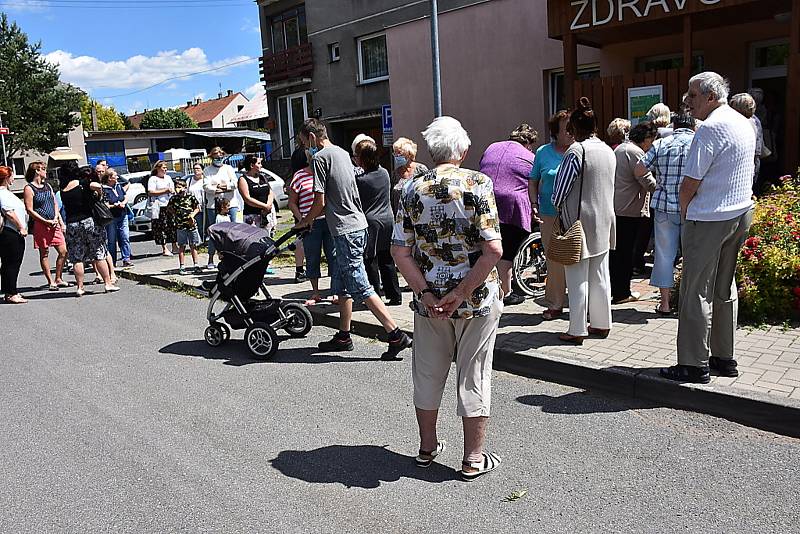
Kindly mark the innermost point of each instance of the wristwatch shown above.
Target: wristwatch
(422, 293)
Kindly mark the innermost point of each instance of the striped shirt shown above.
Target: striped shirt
(303, 184)
(568, 173)
(666, 160)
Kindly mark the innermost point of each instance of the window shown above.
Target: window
(289, 29)
(373, 61)
(557, 94)
(292, 111)
(769, 59)
(239, 108)
(333, 52)
(18, 164)
(671, 61)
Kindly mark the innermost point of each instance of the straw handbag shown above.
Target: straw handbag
(566, 246)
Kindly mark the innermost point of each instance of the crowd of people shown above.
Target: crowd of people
(682, 180)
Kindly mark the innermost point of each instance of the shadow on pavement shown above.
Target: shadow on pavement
(359, 466)
(236, 354)
(520, 319)
(581, 402)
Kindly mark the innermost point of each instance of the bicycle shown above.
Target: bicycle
(530, 266)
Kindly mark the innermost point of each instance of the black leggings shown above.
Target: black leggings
(12, 250)
(381, 270)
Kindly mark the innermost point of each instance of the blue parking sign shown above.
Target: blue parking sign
(386, 116)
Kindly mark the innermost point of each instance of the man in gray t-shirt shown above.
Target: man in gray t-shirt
(336, 194)
(334, 176)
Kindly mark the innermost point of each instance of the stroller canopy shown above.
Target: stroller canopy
(240, 239)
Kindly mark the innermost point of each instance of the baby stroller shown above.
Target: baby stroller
(246, 252)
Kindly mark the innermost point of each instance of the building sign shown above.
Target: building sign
(641, 99)
(388, 125)
(577, 16)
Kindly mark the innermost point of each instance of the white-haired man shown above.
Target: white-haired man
(716, 203)
(336, 194)
(446, 242)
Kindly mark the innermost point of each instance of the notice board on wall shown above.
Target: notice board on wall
(641, 99)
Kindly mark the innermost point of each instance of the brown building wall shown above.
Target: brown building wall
(726, 50)
(494, 59)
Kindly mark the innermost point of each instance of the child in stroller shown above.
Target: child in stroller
(245, 252)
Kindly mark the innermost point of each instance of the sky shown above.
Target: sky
(115, 49)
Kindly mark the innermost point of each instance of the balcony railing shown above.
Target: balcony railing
(296, 62)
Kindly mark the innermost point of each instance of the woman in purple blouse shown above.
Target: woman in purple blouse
(508, 164)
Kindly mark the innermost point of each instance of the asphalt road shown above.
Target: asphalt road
(116, 416)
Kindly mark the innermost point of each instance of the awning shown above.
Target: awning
(234, 134)
(64, 155)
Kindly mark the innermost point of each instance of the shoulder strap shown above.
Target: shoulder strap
(583, 168)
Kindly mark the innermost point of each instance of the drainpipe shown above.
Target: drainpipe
(437, 75)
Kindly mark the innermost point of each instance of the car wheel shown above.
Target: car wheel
(140, 198)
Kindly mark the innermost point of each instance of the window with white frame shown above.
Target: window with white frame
(373, 59)
(333, 52)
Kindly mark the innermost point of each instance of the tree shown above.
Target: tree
(108, 118)
(126, 121)
(162, 119)
(40, 110)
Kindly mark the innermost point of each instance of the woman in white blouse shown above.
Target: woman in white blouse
(160, 189)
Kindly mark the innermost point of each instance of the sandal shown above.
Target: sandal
(426, 458)
(62, 283)
(576, 340)
(551, 315)
(490, 462)
(15, 299)
(53, 287)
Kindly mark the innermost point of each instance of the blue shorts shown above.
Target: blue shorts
(349, 277)
(188, 237)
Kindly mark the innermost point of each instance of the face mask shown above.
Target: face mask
(218, 162)
(400, 161)
(312, 151)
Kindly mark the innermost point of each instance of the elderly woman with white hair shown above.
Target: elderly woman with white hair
(660, 116)
(405, 167)
(746, 105)
(446, 243)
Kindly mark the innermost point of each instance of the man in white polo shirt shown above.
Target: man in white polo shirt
(716, 204)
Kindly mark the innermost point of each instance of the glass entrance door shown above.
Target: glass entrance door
(293, 110)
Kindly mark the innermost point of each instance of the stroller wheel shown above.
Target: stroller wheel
(299, 319)
(262, 340)
(216, 334)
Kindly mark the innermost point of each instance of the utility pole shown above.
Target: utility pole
(3, 135)
(437, 75)
(3, 139)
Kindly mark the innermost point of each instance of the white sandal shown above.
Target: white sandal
(426, 458)
(490, 462)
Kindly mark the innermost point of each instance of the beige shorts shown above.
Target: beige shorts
(472, 342)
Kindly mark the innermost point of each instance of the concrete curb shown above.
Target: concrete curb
(752, 409)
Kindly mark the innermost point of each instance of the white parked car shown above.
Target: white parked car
(136, 195)
(277, 185)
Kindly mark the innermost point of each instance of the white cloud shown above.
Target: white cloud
(136, 72)
(26, 6)
(201, 96)
(171, 86)
(249, 26)
(254, 90)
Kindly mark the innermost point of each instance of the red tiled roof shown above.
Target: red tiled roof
(208, 110)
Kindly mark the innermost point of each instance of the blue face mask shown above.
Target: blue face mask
(400, 161)
(218, 162)
(312, 151)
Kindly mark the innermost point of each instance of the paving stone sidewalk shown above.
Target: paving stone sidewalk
(769, 359)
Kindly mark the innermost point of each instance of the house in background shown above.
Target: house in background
(254, 115)
(215, 113)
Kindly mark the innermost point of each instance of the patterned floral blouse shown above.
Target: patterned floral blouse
(444, 216)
